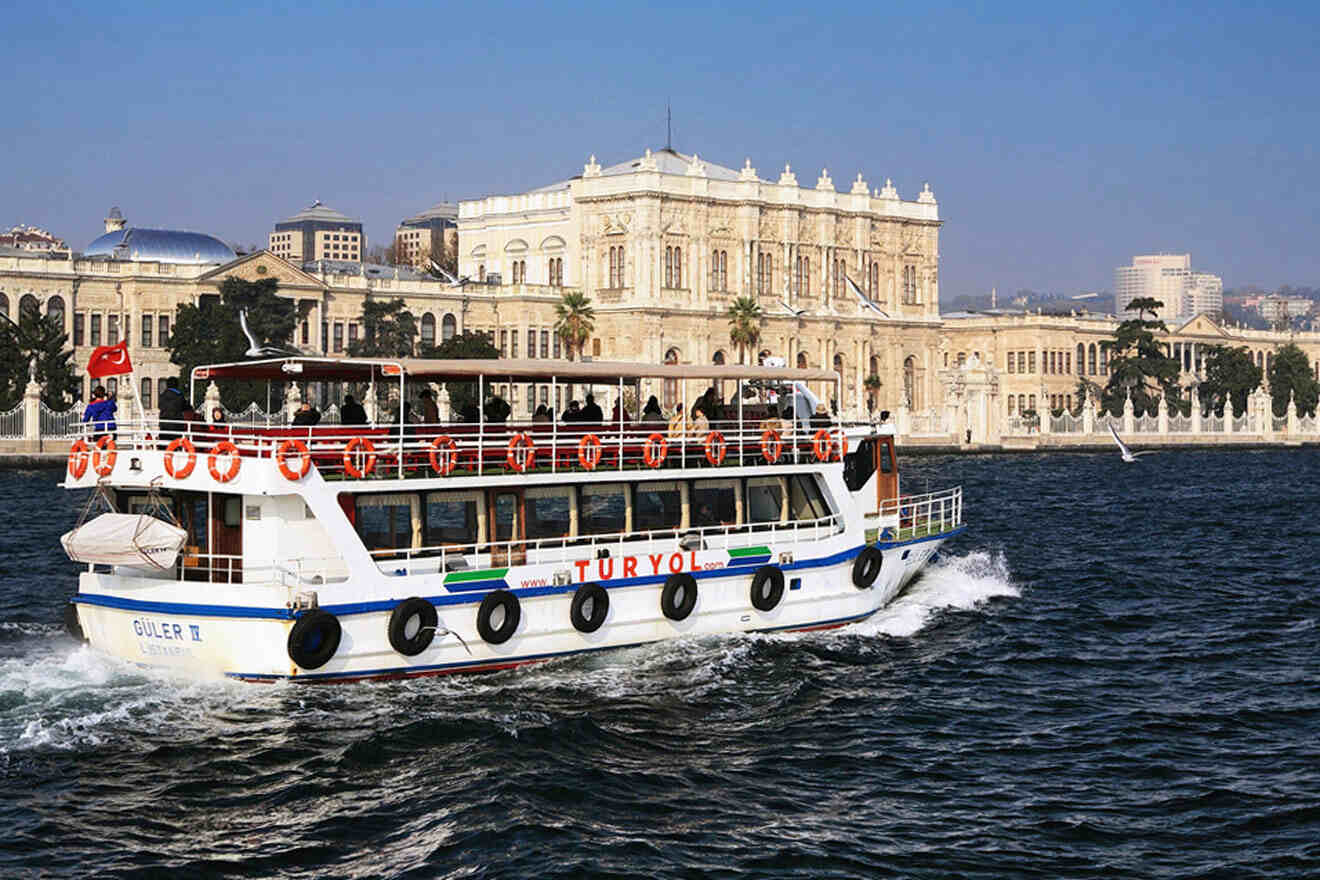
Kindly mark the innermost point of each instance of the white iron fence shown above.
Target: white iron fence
(11, 424)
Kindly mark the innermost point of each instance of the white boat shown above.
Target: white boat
(350, 552)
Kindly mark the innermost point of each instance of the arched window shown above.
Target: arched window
(718, 359)
(55, 309)
(671, 385)
(448, 328)
(874, 366)
(715, 270)
(797, 276)
(1081, 358)
(724, 270)
(1012, 404)
(806, 276)
(1090, 359)
(4, 305)
(428, 329)
(28, 305)
(146, 394)
(760, 273)
(802, 360)
(669, 267)
(1031, 402)
(910, 381)
(678, 267)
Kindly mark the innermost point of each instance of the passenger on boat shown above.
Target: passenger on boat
(352, 413)
(652, 412)
(100, 412)
(542, 415)
(217, 416)
(821, 419)
(496, 409)
(617, 413)
(172, 406)
(307, 415)
(573, 413)
(591, 413)
(430, 412)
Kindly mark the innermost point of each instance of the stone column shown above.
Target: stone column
(1129, 418)
(292, 400)
(1088, 415)
(1228, 415)
(903, 423)
(442, 401)
(1197, 427)
(211, 400)
(1294, 424)
(1163, 416)
(32, 414)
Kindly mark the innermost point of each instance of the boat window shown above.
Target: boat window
(549, 512)
(886, 456)
(453, 518)
(859, 465)
(504, 516)
(657, 506)
(389, 522)
(602, 509)
(714, 503)
(805, 500)
(765, 499)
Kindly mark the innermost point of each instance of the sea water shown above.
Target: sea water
(1113, 673)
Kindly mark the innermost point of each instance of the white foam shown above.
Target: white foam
(952, 582)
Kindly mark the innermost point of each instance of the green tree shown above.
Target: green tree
(1230, 375)
(1085, 388)
(577, 320)
(209, 333)
(1138, 363)
(45, 340)
(1290, 374)
(744, 316)
(463, 346)
(388, 330)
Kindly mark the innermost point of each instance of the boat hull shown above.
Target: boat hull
(248, 640)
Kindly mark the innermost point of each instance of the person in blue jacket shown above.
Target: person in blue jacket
(100, 412)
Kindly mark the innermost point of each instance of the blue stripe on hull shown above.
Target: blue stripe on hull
(347, 609)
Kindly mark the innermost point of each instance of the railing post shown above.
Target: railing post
(32, 415)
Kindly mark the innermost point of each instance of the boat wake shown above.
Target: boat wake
(957, 582)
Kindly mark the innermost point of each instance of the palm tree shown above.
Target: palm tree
(744, 325)
(577, 319)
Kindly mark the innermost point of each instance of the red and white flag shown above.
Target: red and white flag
(109, 360)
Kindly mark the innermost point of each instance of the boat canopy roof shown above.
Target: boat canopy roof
(419, 369)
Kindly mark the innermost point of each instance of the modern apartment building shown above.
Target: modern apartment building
(432, 233)
(1168, 278)
(319, 233)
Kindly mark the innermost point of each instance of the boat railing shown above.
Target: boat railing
(908, 517)
(231, 568)
(566, 549)
(465, 449)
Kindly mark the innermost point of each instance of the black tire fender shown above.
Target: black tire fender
(679, 596)
(412, 626)
(767, 587)
(866, 568)
(597, 598)
(498, 601)
(314, 638)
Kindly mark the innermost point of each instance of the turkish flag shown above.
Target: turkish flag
(109, 360)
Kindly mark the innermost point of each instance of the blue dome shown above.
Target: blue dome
(163, 245)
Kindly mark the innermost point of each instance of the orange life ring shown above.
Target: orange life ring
(771, 445)
(655, 449)
(368, 465)
(822, 444)
(444, 455)
(304, 454)
(224, 447)
(589, 452)
(78, 458)
(107, 445)
(191, 451)
(521, 441)
(716, 448)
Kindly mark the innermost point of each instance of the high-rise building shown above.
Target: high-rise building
(1168, 278)
(319, 233)
(431, 234)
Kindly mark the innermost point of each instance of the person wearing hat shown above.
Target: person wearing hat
(821, 418)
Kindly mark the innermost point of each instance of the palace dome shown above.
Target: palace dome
(160, 245)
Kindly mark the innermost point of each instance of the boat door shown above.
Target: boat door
(508, 513)
(227, 538)
(886, 471)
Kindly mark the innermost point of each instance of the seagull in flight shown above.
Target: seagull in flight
(449, 279)
(1128, 454)
(256, 349)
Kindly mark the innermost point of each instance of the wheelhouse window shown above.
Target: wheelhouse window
(549, 512)
(765, 499)
(454, 518)
(805, 500)
(657, 506)
(602, 509)
(714, 503)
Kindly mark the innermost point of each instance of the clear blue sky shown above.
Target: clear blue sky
(1059, 140)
